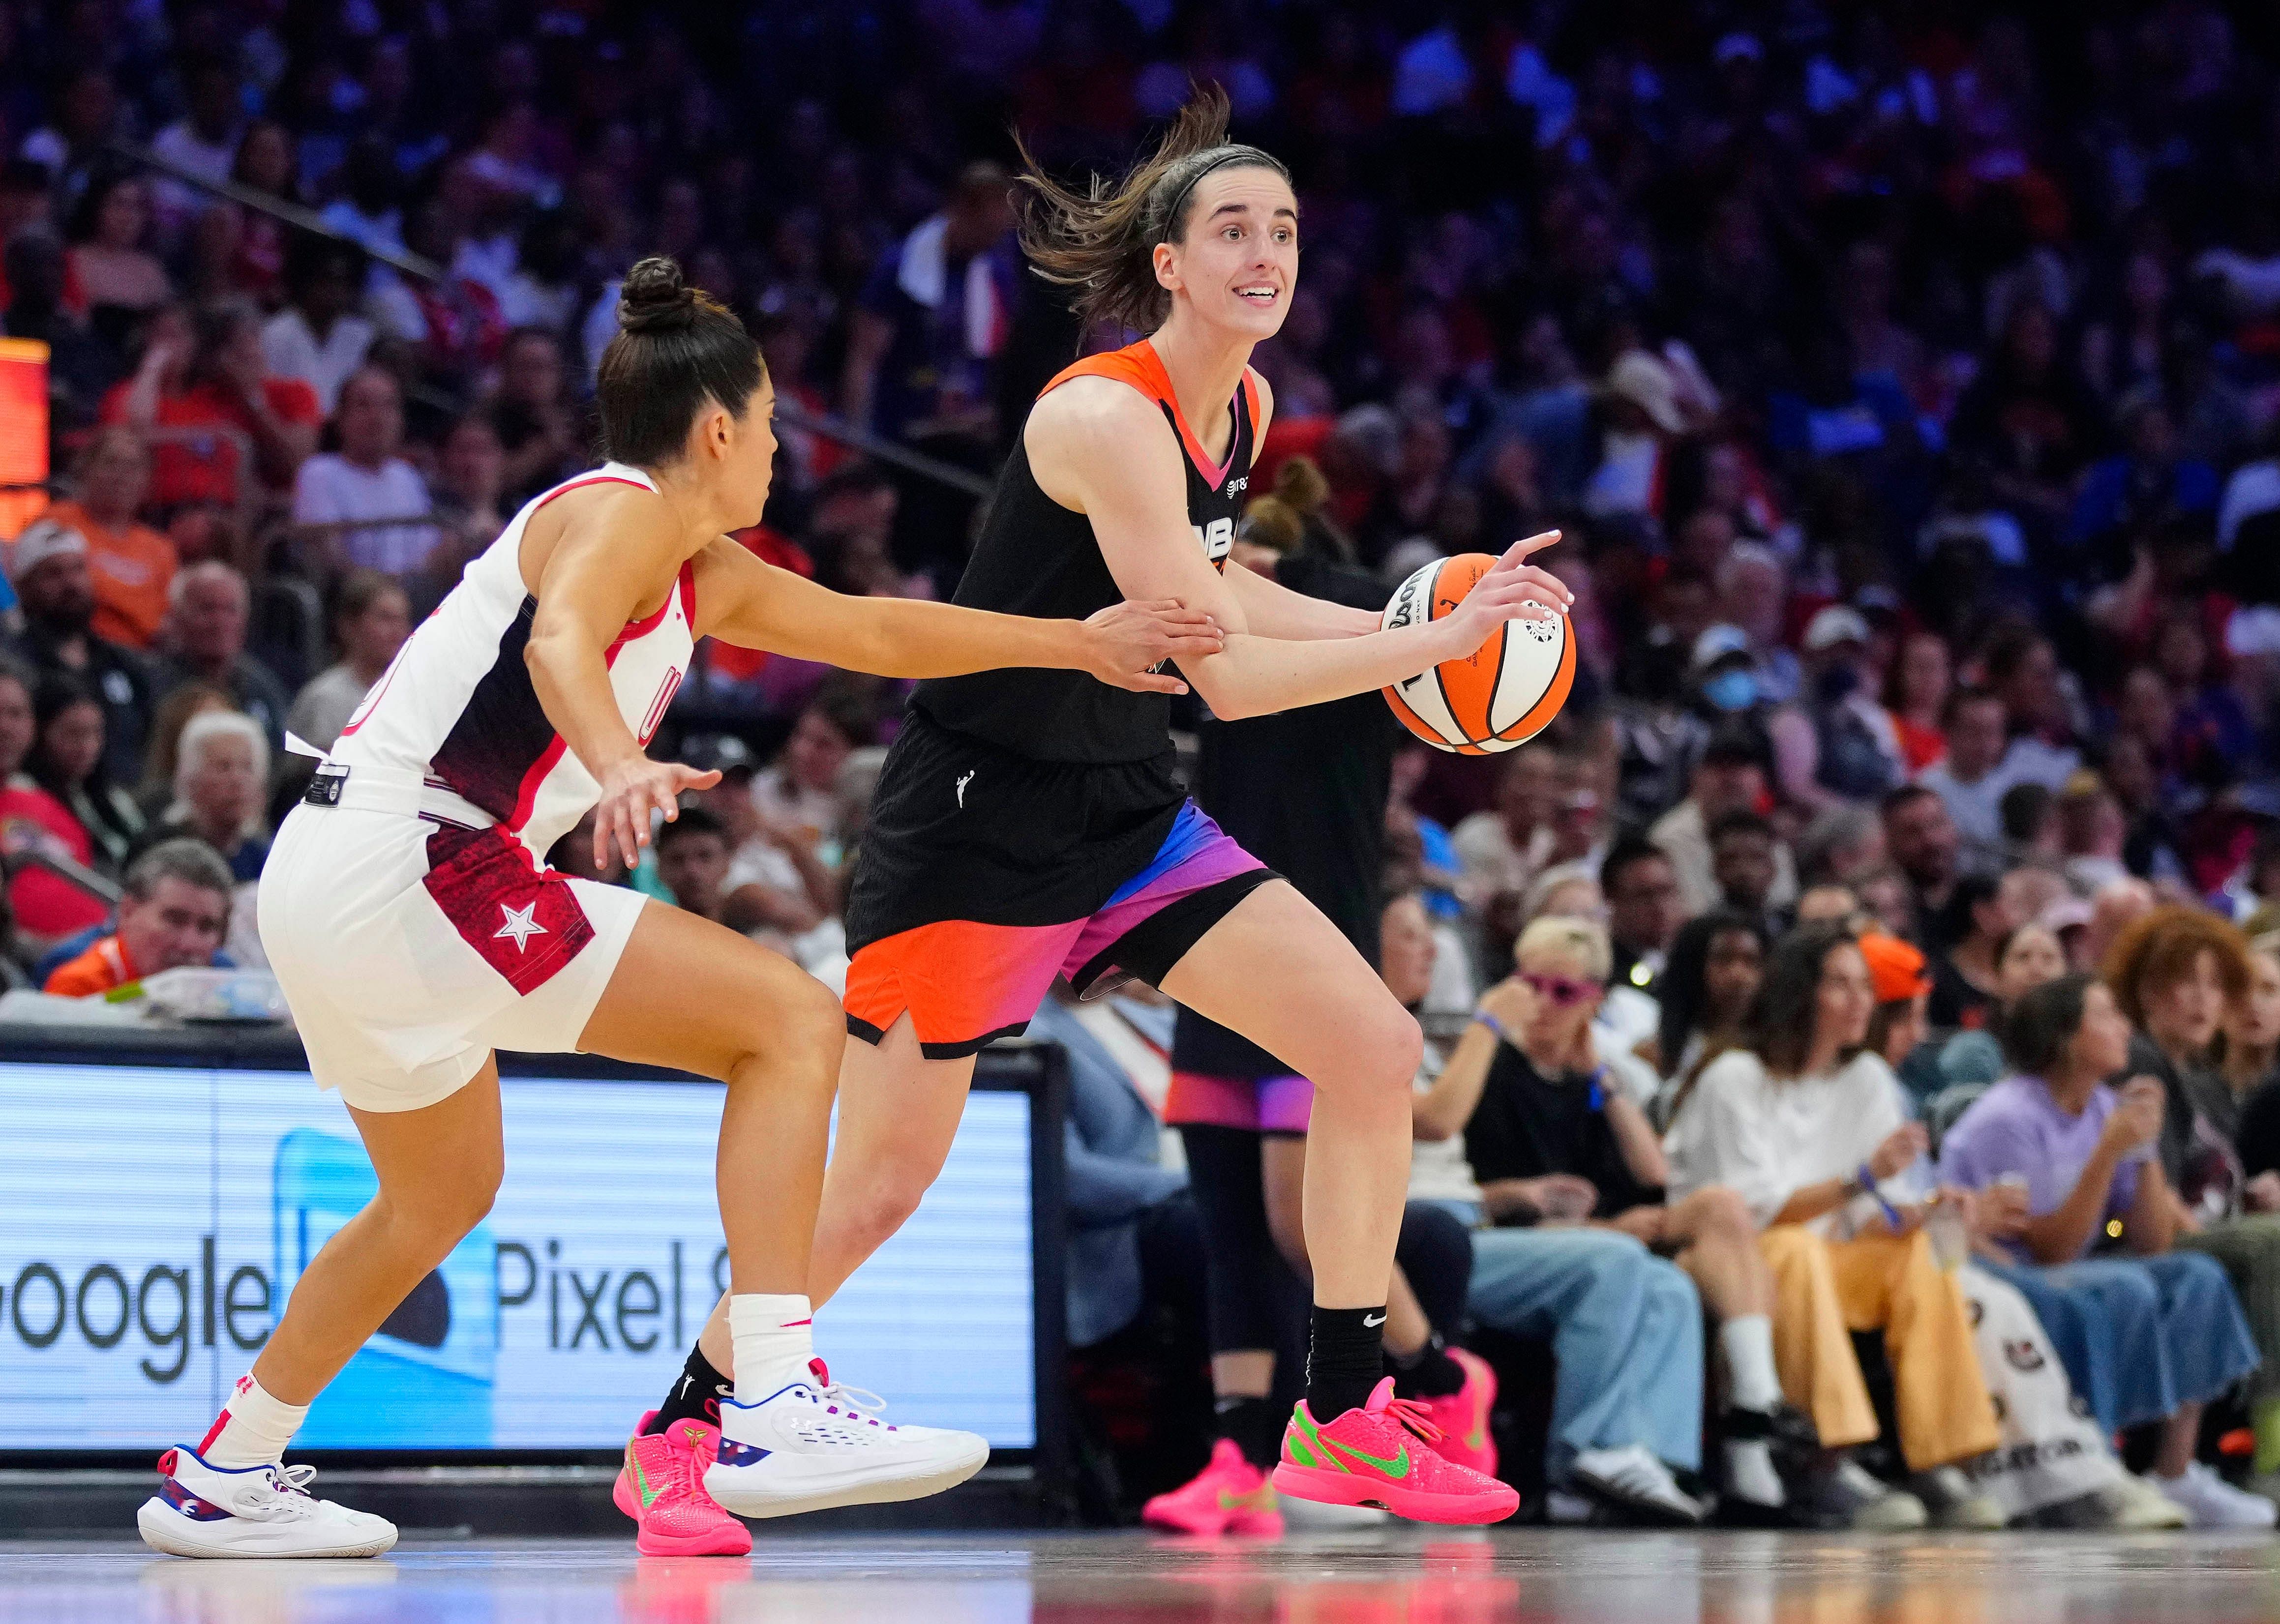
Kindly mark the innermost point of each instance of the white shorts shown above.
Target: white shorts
(409, 949)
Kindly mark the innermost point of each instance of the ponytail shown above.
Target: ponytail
(1102, 241)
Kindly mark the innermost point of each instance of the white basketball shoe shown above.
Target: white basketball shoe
(811, 1446)
(265, 1510)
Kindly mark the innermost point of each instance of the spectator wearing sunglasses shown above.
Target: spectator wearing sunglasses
(1556, 1137)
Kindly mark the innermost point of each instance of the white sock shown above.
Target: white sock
(1747, 1342)
(254, 1429)
(1750, 1472)
(775, 1337)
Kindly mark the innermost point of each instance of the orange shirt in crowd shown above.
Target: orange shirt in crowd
(132, 567)
(192, 467)
(99, 969)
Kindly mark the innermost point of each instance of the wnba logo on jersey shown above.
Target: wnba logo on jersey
(1218, 541)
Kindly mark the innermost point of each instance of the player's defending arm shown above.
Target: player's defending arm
(742, 601)
(594, 581)
(1099, 448)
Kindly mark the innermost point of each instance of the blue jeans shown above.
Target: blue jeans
(2140, 1336)
(1625, 1326)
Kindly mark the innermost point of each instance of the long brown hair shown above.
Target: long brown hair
(1102, 241)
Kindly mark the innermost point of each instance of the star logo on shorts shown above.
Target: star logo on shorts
(518, 923)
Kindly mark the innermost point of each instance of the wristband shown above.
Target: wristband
(1866, 1181)
(1482, 1018)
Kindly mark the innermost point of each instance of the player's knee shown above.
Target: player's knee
(1391, 1052)
(887, 1200)
(814, 1031)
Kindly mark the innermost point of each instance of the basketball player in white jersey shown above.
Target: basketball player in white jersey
(414, 928)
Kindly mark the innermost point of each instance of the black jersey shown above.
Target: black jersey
(1303, 790)
(1037, 557)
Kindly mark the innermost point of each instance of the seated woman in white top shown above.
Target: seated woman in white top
(1805, 1126)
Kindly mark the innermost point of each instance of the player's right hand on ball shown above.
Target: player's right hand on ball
(1125, 641)
(1512, 589)
(634, 794)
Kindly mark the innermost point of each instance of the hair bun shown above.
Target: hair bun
(654, 299)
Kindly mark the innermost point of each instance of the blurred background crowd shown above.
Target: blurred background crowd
(1905, 381)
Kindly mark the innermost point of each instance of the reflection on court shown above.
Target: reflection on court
(1396, 1576)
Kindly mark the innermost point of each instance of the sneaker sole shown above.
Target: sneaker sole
(1668, 1516)
(746, 1499)
(735, 1540)
(1215, 1524)
(1328, 1488)
(165, 1529)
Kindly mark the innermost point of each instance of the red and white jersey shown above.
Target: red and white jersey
(457, 705)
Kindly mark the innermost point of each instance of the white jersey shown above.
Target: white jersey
(457, 704)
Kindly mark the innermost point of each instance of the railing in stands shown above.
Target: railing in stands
(414, 265)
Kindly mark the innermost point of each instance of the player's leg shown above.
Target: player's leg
(438, 1168)
(1248, 1292)
(691, 995)
(1275, 971)
(898, 1112)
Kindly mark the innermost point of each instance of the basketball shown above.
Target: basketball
(1502, 694)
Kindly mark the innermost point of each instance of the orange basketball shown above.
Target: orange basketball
(1500, 694)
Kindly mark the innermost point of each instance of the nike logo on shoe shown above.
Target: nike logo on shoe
(1398, 1468)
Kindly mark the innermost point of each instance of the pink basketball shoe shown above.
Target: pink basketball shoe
(662, 1488)
(1229, 1496)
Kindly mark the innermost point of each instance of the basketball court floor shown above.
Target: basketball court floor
(1391, 1576)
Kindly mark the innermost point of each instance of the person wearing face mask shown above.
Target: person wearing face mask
(1836, 745)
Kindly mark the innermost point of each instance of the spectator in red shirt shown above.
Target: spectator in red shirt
(225, 386)
(47, 908)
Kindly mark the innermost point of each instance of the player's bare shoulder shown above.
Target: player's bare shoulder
(1090, 428)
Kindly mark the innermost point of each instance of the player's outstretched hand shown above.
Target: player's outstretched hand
(1513, 588)
(1125, 642)
(632, 796)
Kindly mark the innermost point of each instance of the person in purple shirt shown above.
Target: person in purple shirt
(2147, 1333)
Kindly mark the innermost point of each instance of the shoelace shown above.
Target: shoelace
(290, 1485)
(1417, 1417)
(855, 1399)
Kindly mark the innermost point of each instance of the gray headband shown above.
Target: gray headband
(1228, 155)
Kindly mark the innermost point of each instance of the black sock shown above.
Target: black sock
(1429, 1372)
(1345, 1359)
(695, 1395)
(1256, 1426)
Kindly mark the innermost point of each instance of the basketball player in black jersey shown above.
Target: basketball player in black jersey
(1029, 822)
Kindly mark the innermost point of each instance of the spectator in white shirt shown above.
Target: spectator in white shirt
(371, 619)
(1503, 848)
(371, 503)
(317, 337)
(1970, 777)
(203, 143)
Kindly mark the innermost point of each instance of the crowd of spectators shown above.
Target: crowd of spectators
(1905, 381)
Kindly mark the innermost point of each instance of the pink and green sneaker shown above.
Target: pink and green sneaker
(1382, 1455)
(662, 1487)
(1229, 1496)
(1463, 1416)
